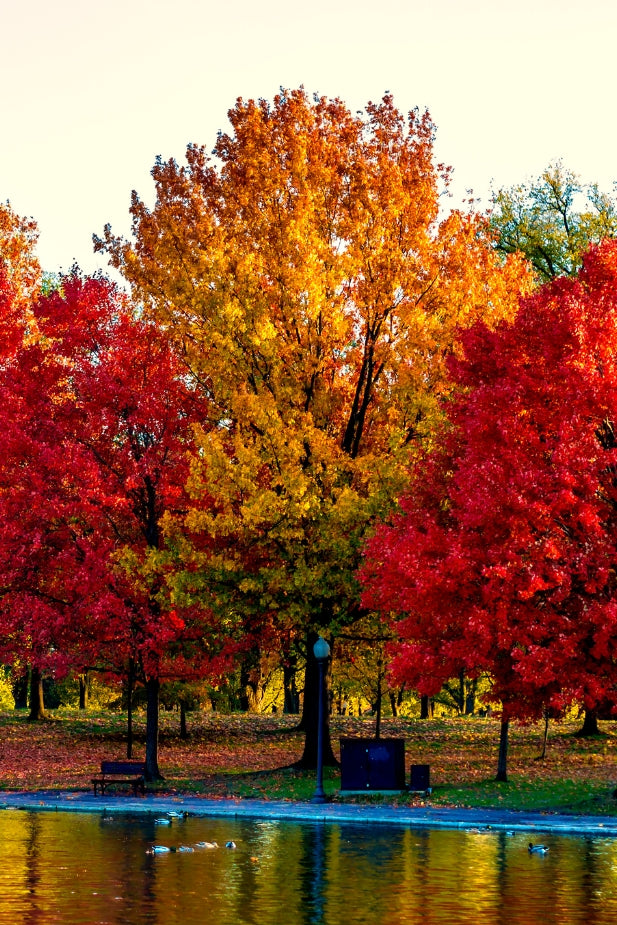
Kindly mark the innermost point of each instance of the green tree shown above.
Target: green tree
(553, 220)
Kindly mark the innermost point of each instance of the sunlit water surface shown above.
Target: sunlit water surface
(86, 869)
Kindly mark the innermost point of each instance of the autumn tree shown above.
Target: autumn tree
(315, 293)
(553, 220)
(502, 555)
(20, 279)
(18, 261)
(96, 413)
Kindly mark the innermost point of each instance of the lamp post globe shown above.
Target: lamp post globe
(321, 651)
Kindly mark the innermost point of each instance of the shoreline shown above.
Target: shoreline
(413, 817)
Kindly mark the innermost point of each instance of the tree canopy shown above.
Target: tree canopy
(312, 346)
(18, 262)
(315, 295)
(502, 555)
(96, 419)
(553, 220)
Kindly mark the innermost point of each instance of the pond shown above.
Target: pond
(86, 869)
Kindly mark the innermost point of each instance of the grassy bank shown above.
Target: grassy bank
(252, 756)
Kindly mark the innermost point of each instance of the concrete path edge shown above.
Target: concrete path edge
(344, 813)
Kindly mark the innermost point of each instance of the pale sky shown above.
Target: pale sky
(91, 92)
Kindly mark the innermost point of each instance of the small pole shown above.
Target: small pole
(321, 650)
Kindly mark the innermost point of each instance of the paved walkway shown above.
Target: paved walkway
(414, 817)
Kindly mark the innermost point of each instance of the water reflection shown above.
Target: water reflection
(75, 868)
(312, 867)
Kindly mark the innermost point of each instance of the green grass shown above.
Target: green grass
(247, 756)
(564, 796)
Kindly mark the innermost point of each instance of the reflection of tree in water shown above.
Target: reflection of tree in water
(504, 875)
(72, 869)
(313, 874)
(417, 867)
(574, 882)
(149, 887)
(352, 873)
(590, 876)
(33, 867)
(584, 881)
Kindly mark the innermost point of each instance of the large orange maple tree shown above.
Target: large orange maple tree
(315, 291)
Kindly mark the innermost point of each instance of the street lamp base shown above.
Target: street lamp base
(319, 798)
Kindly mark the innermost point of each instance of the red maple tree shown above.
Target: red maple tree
(97, 415)
(502, 556)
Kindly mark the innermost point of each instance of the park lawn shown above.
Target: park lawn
(243, 755)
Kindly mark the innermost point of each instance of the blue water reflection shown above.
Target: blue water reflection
(86, 869)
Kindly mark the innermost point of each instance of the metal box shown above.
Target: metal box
(372, 764)
(420, 778)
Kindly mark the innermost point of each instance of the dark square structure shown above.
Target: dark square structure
(372, 764)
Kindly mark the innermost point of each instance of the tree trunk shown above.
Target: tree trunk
(425, 706)
(83, 691)
(255, 696)
(542, 754)
(37, 704)
(396, 700)
(183, 732)
(292, 698)
(461, 692)
(378, 710)
(243, 694)
(20, 692)
(590, 724)
(130, 684)
(252, 682)
(152, 730)
(502, 761)
(393, 703)
(470, 697)
(310, 711)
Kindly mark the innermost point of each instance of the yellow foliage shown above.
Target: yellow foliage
(316, 296)
(18, 237)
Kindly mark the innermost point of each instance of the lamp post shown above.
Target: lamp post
(321, 651)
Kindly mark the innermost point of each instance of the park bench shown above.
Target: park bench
(120, 772)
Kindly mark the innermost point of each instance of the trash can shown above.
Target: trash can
(420, 777)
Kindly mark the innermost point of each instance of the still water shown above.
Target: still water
(86, 869)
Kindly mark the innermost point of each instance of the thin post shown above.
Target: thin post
(502, 761)
(321, 650)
